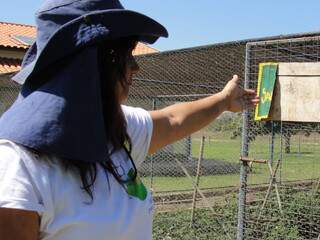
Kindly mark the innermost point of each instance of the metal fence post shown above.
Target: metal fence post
(154, 107)
(272, 143)
(244, 153)
(189, 148)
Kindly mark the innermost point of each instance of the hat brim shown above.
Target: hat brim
(90, 29)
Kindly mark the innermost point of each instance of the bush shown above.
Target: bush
(300, 220)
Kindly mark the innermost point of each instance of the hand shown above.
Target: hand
(238, 99)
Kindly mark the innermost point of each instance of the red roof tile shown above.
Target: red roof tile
(9, 65)
(8, 31)
(143, 49)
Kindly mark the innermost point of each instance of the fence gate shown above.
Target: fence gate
(279, 199)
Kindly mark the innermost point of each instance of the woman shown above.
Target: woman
(68, 148)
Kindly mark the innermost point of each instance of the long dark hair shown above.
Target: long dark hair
(112, 60)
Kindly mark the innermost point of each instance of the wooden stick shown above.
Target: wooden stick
(276, 188)
(269, 189)
(194, 199)
(246, 159)
(315, 190)
(203, 196)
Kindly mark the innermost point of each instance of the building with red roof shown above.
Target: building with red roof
(15, 39)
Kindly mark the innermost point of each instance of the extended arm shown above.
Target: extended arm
(180, 120)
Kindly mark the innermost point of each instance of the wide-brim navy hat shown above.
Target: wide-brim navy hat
(61, 113)
(72, 24)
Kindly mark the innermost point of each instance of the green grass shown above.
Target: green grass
(219, 147)
(302, 163)
(184, 183)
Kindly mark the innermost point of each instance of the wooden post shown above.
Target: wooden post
(197, 180)
(204, 198)
(271, 183)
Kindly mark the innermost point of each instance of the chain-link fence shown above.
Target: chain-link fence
(279, 198)
(195, 182)
(8, 92)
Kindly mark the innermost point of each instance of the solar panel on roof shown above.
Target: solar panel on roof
(24, 39)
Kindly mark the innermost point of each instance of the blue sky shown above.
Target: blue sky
(195, 23)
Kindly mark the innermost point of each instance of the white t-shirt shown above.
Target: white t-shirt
(116, 213)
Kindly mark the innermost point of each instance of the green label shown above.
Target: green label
(136, 188)
(266, 83)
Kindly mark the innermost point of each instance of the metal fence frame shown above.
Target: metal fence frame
(241, 227)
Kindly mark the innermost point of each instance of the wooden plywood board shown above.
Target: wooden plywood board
(297, 93)
(299, 69)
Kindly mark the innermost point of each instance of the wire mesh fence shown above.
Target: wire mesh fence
(194, 181)
(280, 199)
(8, 92)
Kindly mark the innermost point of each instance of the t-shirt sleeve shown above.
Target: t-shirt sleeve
(17, 189)
(139, 127)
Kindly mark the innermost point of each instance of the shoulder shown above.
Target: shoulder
(20, 176)
(134, 111)
(12, 154)
(19, 161)
(15, 152)
(8, 150)
(136, 116)
(139, 128)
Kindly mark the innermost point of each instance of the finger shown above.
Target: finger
(250, 97)
(249, 91)
(236, 79)
(252, 101)
(255, 100)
